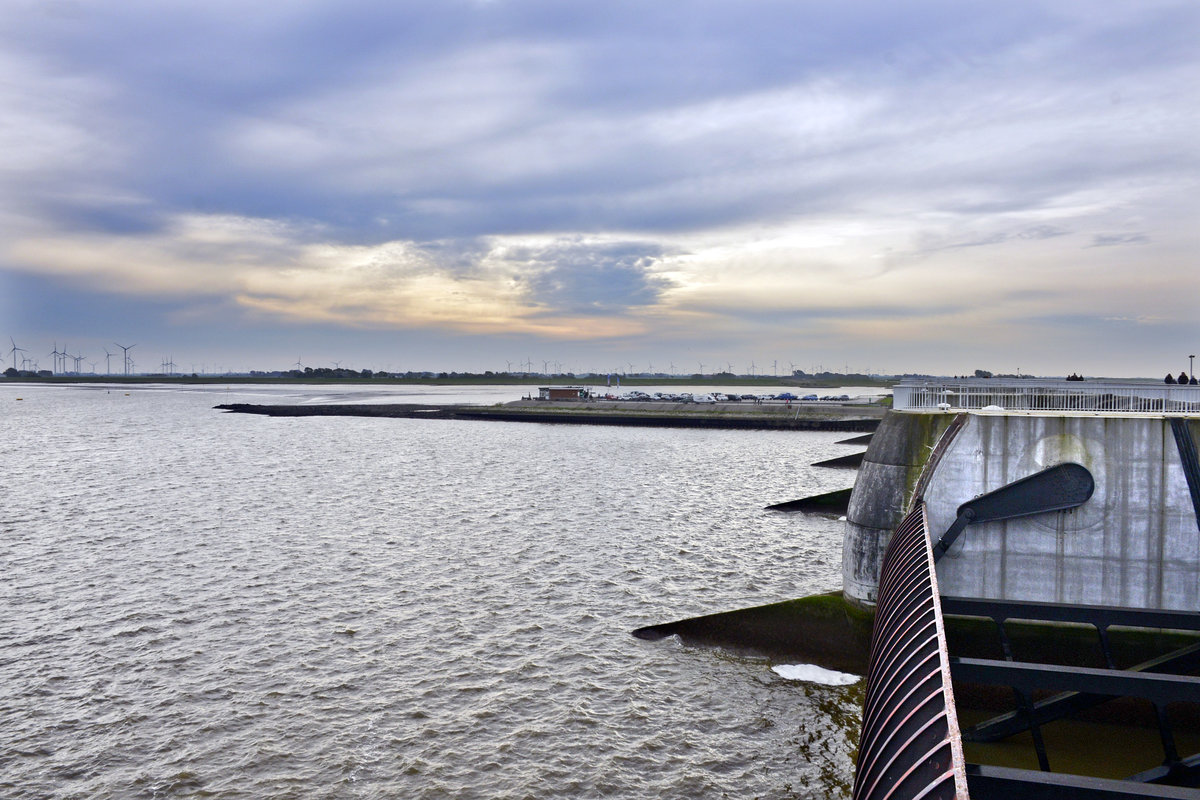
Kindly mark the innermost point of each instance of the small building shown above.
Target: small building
(562, 393)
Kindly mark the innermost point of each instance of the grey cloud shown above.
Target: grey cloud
(584, 279)
(936, 242)
(942, 88)
(1118, 239)
(1042, 232)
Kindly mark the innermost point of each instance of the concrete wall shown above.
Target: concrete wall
(882, 495)
(1134, 543)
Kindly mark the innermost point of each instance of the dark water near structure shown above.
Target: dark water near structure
(198, 604)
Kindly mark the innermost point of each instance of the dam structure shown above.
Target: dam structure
(1135, 543)
(1060, 520)
(1021, 588)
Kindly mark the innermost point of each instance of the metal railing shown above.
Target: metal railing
(1042, 395)
(910, 745)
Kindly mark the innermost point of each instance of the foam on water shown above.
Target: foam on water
(811, 673)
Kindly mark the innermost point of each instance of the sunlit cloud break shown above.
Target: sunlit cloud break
(568, 287)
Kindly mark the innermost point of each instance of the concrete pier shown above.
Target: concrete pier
(850, 417)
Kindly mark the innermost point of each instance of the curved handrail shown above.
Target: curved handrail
(910, 745)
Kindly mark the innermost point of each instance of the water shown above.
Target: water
(199, 604)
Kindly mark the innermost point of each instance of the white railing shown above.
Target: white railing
(1128, 397)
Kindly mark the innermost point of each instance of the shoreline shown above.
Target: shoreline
(444, 379)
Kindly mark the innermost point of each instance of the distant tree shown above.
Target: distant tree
(982, 373)
(11, 373)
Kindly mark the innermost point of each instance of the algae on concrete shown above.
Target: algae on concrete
(819, 629)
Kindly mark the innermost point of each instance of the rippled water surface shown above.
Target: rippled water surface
(199, 604)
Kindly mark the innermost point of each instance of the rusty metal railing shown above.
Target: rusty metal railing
(910, 745)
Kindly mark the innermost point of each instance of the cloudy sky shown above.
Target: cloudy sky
(922, 186)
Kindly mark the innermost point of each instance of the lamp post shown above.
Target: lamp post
(1191, 364)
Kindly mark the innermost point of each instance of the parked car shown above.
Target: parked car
(809, 397)
(704, 398)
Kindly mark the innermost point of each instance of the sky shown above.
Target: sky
(931, 186)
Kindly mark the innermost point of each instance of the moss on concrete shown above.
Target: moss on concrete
(820, 629)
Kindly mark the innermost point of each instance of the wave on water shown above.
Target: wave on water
(199, 603)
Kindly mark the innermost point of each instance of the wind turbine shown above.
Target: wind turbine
(107, 361)
(126, 349)
(13, 352)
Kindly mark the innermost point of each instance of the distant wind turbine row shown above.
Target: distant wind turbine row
(66, 363)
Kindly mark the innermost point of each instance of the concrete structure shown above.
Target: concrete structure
(562, 393)
(1135, 543)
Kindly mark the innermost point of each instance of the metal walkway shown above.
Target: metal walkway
(911, 744)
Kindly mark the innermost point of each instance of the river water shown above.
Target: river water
(201, 604)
